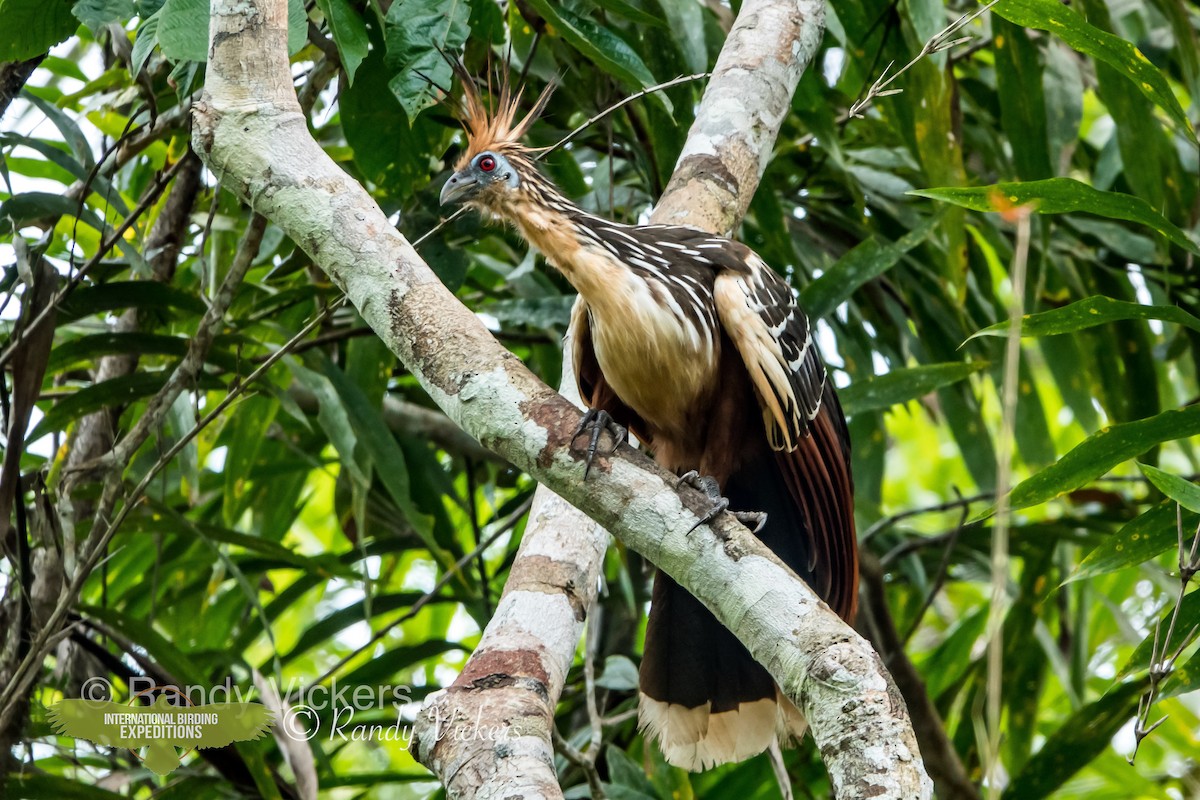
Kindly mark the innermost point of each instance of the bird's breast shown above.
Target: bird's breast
(657, 346)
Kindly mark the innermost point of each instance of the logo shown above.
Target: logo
(161, 727)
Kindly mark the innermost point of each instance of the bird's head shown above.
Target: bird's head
(495, 162)
(482, 179)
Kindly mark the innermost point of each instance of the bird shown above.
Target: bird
(694, 344)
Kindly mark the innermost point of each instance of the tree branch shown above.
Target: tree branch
(251, 132)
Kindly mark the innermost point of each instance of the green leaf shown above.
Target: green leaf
(374, 435)
(349, 34)
(1088, 313)
(1183, 492)
(867, 261)
(89, 348)
(607, 50)
(21, 209)
(416, 30)
(144, 44)
(1072, 28)
(1062, 196)
(1022, 100)
(31, 27)
(98, 13)
(902, 385)
(1099, 453)
(114, 393)
(116, 295)
(1079, 739)
(1145, 537)
(183, 29)
(71, 132)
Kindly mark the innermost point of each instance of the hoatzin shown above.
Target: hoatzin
(697, 346)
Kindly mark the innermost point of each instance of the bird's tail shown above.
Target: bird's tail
(703, 696)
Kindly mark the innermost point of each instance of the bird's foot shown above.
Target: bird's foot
(596, 421)
(754, 520)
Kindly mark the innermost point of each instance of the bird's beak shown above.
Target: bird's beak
(459, 188)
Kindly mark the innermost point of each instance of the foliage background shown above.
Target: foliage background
(311, 531)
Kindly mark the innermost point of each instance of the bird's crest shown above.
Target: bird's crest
(495, 127)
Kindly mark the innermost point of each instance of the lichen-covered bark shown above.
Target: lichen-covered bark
(251, 132)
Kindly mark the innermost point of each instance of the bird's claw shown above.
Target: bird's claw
(707, 484)
(597, 421)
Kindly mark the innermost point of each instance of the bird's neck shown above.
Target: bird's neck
(553, 224)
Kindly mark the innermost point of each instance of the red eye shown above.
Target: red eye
(487, 163)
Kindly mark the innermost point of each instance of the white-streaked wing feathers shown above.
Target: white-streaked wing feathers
(771, 333)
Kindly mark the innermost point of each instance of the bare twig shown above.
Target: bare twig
(1162, 658)
(941, 41)
(1000, 529)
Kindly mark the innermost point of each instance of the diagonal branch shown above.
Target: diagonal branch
(251, 132)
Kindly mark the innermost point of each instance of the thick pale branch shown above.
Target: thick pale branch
(252, 134)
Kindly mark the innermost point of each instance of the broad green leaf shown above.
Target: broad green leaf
(116, 295)
(244, 436)
(1145, 537)
(1062, 196)
(71, 132)
(183, 29)
(1183, 492)
(349, 34)
(387, 149)
(1148, 156)
(31, 27)
(21, 209)
(388, 458)
(602, 46)
(902, 385)
(102, 189)
(1088, 313)
(1022, 100)
(98, 13)
(1100, 452)
(418, 32)
(868, 260)
(114, 393)
(621, 8)
(43, 786)
(686, 21)
(87, 349)
(552, 313)
(1072, 28)
(145, 42)
(1078, 740)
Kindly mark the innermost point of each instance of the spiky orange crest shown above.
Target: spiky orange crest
(496, 129)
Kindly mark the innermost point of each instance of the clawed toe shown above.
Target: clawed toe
(597, 421)
(754, 520)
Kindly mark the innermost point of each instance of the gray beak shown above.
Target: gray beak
(460, 186)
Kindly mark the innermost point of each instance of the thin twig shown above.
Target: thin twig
(949, 505)
(1162, 662)
(941, 41)
(1000, 529)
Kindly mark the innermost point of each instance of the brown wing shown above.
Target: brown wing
(594, 390)
(803, 419)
